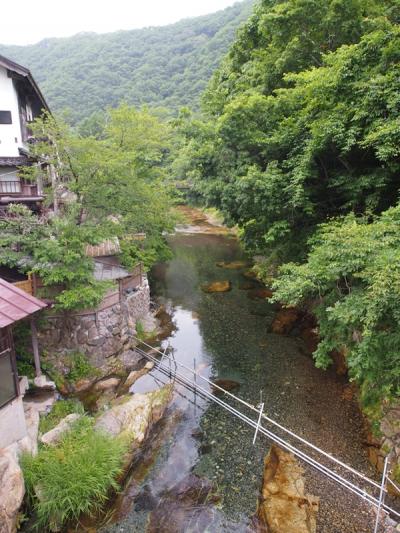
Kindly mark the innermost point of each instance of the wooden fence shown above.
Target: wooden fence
(112, 297)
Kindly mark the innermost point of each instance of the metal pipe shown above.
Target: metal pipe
(275, 438)
(271, 421)
(381, 494)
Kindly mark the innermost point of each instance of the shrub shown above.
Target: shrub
(79, 368)
(73, 478)
(59, 411)
(140, 331)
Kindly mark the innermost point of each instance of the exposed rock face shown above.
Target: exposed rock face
(12, 491)
(106, 384)
(285, 320)
(283, 506)
(53, 437)
(134, 416)
(217, 286)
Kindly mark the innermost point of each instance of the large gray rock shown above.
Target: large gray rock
(12, 490)
(106, 384)
(135, 415)
(53, 437)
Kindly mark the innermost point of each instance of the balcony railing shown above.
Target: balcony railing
(17, 188)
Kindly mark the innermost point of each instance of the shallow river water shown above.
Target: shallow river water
(226, 335)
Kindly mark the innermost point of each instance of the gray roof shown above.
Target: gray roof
(13, 161)
(109, 269)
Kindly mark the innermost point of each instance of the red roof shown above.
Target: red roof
(16, 304)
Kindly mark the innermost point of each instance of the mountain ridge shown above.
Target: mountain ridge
(165, 66)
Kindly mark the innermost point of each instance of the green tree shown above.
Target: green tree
(114, 186)
(352, 276)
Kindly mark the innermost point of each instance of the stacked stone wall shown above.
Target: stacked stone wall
(99, 335)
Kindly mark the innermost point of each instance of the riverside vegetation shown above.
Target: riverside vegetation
(297, 145)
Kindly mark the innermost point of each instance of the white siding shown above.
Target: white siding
(9, 132)
(12, 423)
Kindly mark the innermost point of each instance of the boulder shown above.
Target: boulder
(284, 507)
(42, 382)
(217, 286)
(227, 384)
(232, 265)
(134, 416)
(12, 490)
(53, 437)
(261, 293)
(106, 384)
(249, 274)
(285, 320)
(136, 374)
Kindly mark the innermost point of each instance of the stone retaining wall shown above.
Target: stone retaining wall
(99, 335)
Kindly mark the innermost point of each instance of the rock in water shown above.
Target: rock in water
(217, 286)
(285, 320)
(233, 265)
(227, 384)
(134, 416)
(12, 491)
(283, 506)
(261, 293)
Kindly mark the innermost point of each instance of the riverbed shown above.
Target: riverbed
(226, 335)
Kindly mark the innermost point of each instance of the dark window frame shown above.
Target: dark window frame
(5, 117)
(8, 352)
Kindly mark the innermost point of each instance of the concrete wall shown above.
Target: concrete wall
(10, 134)
(12, 423)
(99, 335)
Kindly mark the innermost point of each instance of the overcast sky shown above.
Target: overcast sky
(28, 21)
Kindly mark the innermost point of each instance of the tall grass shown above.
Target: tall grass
(60, 410)
(73, 478)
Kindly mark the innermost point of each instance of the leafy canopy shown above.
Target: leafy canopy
(106, 186)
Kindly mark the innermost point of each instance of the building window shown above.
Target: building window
(5, 117)
(8, 389)
(10, 182)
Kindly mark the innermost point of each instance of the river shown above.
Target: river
(227, 336)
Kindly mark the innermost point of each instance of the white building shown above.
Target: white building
(20, 102)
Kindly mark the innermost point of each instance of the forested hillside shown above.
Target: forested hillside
(300, 148)
(168, 66)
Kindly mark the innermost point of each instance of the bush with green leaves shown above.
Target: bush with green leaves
(74, 478)
(352, 274)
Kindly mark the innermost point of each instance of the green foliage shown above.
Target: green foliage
(140, 331)
(302, 121)
(74, 477)
(117, 188)
(301, 128)
(59, 410)
(352, 273)
(79, 367)
(167, 66)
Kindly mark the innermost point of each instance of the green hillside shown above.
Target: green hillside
(167, 66)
